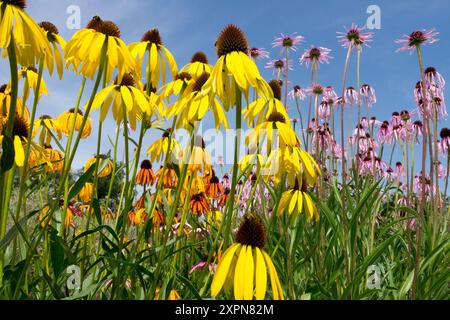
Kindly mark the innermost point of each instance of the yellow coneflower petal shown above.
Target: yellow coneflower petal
(309, 205)
(222, 269)
(127, 97)
(239, 274)
(101, 96)
(19, 155)
(249, 274)
(274, 281)
(300, 202)
(293, 202)
(261, 276)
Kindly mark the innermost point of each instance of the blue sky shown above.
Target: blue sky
(189, 26)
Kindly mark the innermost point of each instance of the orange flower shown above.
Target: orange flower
(145, 176)
(198, 204)
(215, 188)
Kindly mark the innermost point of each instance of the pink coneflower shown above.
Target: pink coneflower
(417, 128)
(445, 141)
(316, 89)
(384, 133)
(365, 123)
(317, 54)
(354, 35)
(416, 39)
(399, 169)
(259, 53)
(330, 96)
(395, 119)
(420, 185)
(297, 93)
(442, 173)
(434, 79)
(226, 182)
(368, 93)
(324, 111)
(219, 161)
(288, 42)
(351, 95)
(279, 65)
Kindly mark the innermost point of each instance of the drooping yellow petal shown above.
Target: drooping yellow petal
(249, 274)
(19, 154)
(239, 274)
(222, 269)
(261, 276)
(274, 281)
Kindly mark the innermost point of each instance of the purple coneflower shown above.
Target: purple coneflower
(368, 93)
(317, 54)
(434, 79)
(324, 111)
(384, 134)
(288, 42)
(351, 95)
(279, 65)
(297, 93)
(416, 39)
(355, 36)
(330, 96)
(259, 53)
(445, 141)
(315, 89)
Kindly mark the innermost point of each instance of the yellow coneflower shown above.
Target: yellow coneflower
(145, 175)
(30, 41)
(53, 159)
(5, 103)
(248, 263)
(293, 161)
(197, 185)
(200, 159)
(198, 65)
(122, 94)
(65, 120)
(261, 108)
(214, 217)
(175, 87)
(249, 160)
(173, 294)
(19, 135)
(85, 194)
(277, 122)
(161, 146)
(193, 105)
(234, 64)
(107, 169)
(296, 200)
(55, 40)
(31, 76)
(83, 50)
(139, 217)
(47, 125)
(151, 42)
(198, 204)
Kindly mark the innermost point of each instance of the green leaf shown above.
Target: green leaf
(97, 210)
(7, 158)
(56, 253)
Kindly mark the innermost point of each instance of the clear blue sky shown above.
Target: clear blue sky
(189, 26)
